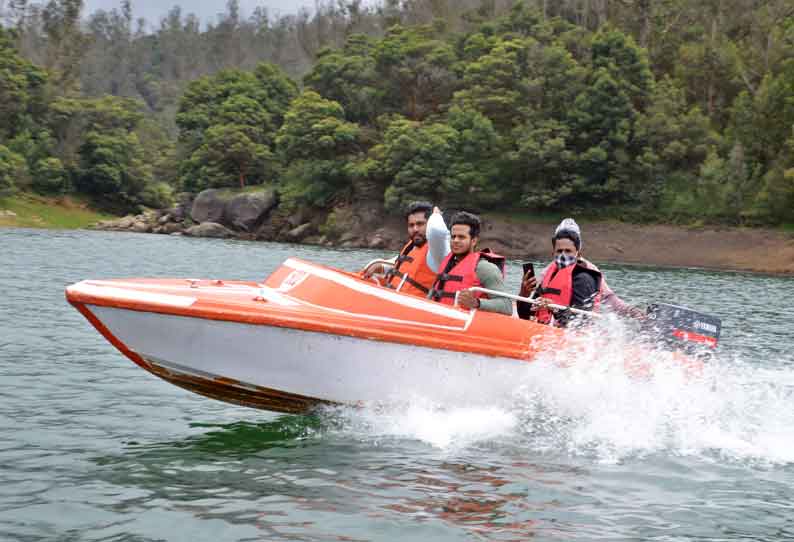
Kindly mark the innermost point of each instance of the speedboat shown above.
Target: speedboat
(308, 335)
(311, 335)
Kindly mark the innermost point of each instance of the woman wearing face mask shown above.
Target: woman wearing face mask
(568, 281)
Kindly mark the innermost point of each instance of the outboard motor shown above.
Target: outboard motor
(682, 328)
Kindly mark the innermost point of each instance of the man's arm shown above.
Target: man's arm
(379, 269)
(491, 278)
(437, 240)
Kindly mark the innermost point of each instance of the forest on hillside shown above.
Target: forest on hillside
(651, 110)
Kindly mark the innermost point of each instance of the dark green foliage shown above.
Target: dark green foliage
(451, 163)
(228, 124)
(318, 146)
(414, 70)
(672, 110)
(50, 177)
(348, 77)
(12, 169)
(113, 169)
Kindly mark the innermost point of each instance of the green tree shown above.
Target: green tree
(674, 140)
(617, 53)
(113, 169)
(348, 77)
(318, 146)
(774, 203)
(451, 163)
(415, 71)
(417, 158)
(762, 122)
(601, 121)
(65, 43)
(473, 175)
(50, 177)
(495, 84)
(70, 120)
(229, 156)
(12, 168)
(22, 90)
(228, 124)
(543, 164)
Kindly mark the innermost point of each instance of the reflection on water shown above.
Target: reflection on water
(274, 466)
(93, 448)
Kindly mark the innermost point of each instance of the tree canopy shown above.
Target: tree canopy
(670, 110)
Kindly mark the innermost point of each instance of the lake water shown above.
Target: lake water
(94, 448)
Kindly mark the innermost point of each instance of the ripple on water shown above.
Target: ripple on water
(93, 448)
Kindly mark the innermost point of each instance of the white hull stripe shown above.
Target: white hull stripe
(226, 289)
(132, 295)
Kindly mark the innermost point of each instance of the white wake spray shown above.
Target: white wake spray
(602, 396)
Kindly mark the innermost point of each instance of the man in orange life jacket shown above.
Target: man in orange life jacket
(568, 281)
(416, 266)
(465, 267)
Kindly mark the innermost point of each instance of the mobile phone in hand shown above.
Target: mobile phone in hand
(528, 268)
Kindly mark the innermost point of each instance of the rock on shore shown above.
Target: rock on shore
(257, 216)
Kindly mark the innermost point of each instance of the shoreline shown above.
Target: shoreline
(665, 254)
(760, 251)
(734, 249)
(728, 249)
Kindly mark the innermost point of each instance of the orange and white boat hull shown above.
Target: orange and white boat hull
(309, 335)
(285, 369)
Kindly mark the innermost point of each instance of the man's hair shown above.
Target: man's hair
(472, 221)
(567, 234)
(419, 207)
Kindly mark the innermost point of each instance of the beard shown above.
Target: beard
(463, 250)
(419, 239)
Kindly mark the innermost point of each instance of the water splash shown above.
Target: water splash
(595, 406)
(441, 426)
(602, 397)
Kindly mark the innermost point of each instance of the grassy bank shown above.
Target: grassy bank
(32, 211)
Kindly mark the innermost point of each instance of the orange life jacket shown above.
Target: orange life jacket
(410, 273)
(557, 287)
(462, 275)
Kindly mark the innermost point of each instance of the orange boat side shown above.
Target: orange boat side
(312, 297)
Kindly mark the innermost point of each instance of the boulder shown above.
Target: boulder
(298, 217)
(296, 234)
(313, 240)
(208, 206)
(171, 227)
(125, 223)
(348, 237)
(176, 213)
(164, 219)
(245, 212)
(150, 216)
(140, 227)
(209, 229)
(377, 241)
(184, 199)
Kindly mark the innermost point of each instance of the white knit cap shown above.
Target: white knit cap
(569, 224)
